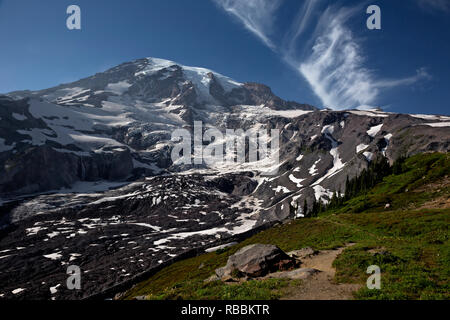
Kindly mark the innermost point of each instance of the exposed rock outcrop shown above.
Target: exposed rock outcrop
(42, 168)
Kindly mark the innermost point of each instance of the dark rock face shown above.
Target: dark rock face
(239, 185)
(259, 94)
(256, 261)
(42, 168)
(108, 166)
(36, 169)
(254, 94)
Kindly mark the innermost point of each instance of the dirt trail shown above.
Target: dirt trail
(321, 286)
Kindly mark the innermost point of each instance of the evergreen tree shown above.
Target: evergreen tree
(359, 185)
(315, 209)
(398, 164)
(291, 210)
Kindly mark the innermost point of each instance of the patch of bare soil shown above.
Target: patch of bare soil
(321, 286)
(436, 185)
(438, 203)
(442, 202)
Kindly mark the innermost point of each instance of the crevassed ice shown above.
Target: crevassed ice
(198, 76)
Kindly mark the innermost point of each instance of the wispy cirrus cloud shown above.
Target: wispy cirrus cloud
(299, 26)
(332, 61)
(421, 74)
(256, 15)
(336, 66)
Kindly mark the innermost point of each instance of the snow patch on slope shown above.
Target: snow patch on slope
(438, 124)
(320, 192)
(430, 117)
(4, 147)
(387, 139)
(369, 156)
(66, 95)
(373, 131)
(370, 113)
(19, 117)
(361, 147)
(281, 189)
(261, 111)
(118, 88)
(53, 256)
(296, 181)
(313, 171)
(338, 165)
(17, 291)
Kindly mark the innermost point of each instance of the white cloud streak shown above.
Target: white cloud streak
(301, 22)
(421, 74)
(335, 66)
(256, 15)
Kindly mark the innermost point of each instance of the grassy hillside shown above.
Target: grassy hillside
(409, 241)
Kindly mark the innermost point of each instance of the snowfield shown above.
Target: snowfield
(296, 181)
(361, 147)
(374, 130)
(438, 124)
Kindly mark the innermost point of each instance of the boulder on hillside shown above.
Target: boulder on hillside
(256, 260)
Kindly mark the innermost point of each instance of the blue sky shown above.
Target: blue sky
(311, 51)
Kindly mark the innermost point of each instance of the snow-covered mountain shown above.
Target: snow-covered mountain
(113, 130)
(119, 123)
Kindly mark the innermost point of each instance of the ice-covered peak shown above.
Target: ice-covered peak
(200, 77)
(155, 65)
(154, 80)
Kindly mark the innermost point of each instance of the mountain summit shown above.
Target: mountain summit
(156, 80)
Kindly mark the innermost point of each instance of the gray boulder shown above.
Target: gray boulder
(254, 261)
